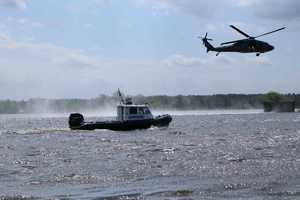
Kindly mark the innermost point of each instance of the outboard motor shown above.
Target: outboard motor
(75, 120)
(162, 120)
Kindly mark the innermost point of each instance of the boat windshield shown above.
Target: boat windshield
(139, 110)
(133, 110)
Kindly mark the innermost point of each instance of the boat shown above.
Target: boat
(129, 117)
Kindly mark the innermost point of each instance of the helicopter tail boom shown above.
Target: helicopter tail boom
(208, 46)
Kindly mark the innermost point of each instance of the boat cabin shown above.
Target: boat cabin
(129, 111)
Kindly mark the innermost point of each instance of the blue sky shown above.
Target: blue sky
(77, 48)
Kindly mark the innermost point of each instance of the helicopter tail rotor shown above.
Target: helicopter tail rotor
(206, 43)
(205, 38)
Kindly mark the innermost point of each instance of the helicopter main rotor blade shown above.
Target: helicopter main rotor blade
(270, 32)
(230, 42)
(241, 32)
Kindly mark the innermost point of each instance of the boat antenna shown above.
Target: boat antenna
(121, 97)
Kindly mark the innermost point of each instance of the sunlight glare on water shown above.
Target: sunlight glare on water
(212, 155)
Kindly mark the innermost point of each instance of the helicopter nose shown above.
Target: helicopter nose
(271, 48)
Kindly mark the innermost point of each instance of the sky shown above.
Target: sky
(84, 48)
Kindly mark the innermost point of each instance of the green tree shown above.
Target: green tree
(273, 97)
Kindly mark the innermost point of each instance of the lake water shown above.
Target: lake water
(202, 155)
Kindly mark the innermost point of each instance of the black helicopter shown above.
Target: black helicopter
(249, 45)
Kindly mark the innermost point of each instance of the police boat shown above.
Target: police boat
(129, 117)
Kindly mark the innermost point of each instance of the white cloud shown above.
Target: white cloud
(227, 73)
(12, 21)
(222, 61)
(284, 9)
(273, 9)
(36, 69)
(245, 3)
(102, 2)
(19, 4)
(46, 51)
(197, 8)
(269, 9)
(183, 61)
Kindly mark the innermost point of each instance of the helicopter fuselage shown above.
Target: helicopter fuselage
(246, 46)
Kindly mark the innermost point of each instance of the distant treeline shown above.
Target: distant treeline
(180, 102)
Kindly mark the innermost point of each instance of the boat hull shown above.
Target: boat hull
(159, 121)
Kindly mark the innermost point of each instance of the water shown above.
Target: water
(215, 156)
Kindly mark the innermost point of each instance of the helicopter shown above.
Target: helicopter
(248, 45)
